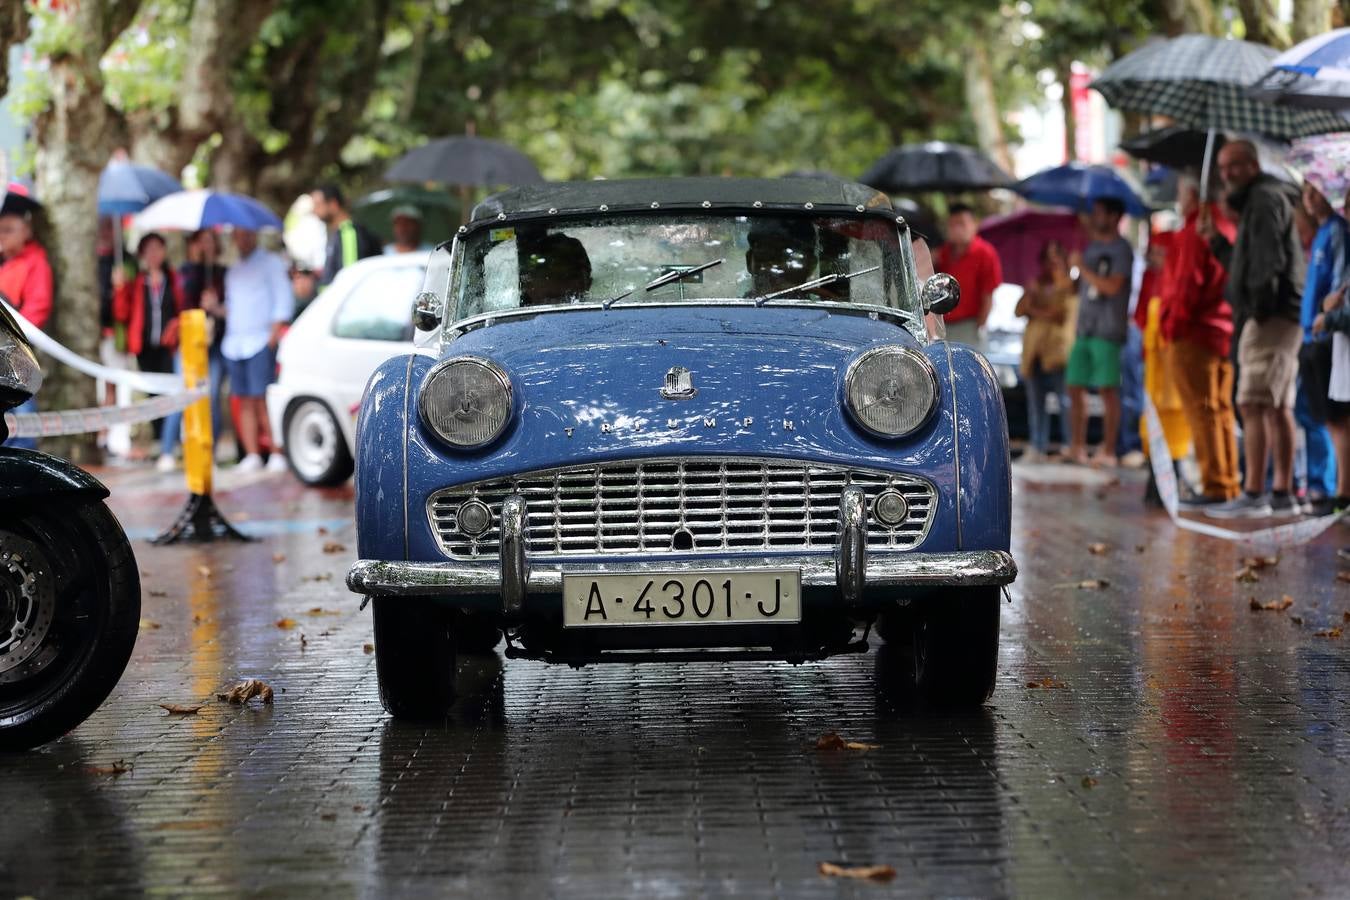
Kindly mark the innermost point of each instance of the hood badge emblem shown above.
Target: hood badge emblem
(679, 384)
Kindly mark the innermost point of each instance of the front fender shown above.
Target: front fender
(382, 460)
(28, 473)
(983, 466)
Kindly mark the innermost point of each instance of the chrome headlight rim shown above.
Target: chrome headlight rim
(925, 364)
(496, 371)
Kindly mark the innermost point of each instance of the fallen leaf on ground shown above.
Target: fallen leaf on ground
(1329, 633)
(1297, 620)
(1246, 575)
(367, 648)
(328, 817)
(198, 619)
(175, 709)
(333, 547)
(358, 808)
(1345, 617)
(1098, 549)
(1089, 781)
(148, 625)
(1260, 562)
(1139, 548)
(1046, 682)
(1343, 576)
(865, 873)
(1093, 584)
(323, 530)
(121, 767)
(278, 557)
(1275, 605)
(157, 593)
(303, 643)
(832, 741)
(322, 576)
(285, 623)
(204, 571)
(245, 691)
(320, 611)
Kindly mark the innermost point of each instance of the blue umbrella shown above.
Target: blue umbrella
(125, 188)
(191, 210)
(1077, 185)
(1312, 75)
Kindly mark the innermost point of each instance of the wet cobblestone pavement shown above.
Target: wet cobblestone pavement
(1175, 742)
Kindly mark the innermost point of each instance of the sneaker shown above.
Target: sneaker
(251, 463)
(1031, 455)
(1200, 502)
(1285, 506)
(1246, 506)
(1135, 459)
(166, 463)
(277, 462)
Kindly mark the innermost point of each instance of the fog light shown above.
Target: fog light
(890, 508)
(473, 518)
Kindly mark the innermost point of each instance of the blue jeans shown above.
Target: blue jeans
(1321, 456)
(1040, 385)
(216, 370)
(173, 422)
(1131, 392)
(27, 406)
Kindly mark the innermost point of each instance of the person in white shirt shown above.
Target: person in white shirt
(258, 306)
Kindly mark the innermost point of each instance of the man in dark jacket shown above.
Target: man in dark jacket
(1265, 287)
(347, 240)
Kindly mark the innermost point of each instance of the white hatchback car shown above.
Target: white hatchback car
(357, 322)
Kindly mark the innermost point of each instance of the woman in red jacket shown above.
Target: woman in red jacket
(148, 306)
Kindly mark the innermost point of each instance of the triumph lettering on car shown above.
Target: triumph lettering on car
(683, 419)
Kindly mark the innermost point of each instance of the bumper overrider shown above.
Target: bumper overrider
(514, 576)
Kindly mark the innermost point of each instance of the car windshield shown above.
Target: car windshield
(651, 258)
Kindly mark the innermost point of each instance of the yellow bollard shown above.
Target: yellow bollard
(198, 446)
(199, 520)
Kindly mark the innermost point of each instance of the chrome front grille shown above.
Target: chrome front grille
(691, 505)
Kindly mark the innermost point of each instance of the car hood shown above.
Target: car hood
(768, 380)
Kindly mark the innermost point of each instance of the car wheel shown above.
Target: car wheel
(956, 647)
(315, 446)
(895, 624)
(70, 607)
(476, 634)
(414, 657)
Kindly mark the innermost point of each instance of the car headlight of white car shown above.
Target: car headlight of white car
(891, 391)
(466, 401)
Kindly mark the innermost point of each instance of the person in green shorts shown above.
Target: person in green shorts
(1104, 272)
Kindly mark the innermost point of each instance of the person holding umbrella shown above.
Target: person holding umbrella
(203, 278)
(1265, 287)
(348, 240)
(258, 306)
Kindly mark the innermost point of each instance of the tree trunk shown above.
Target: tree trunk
(13, 31)
(1064, 73)
(983, 104)
(1188, 16)
(1262, 21)
(1311, 18)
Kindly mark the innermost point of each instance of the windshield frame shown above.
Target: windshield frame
(909, 314)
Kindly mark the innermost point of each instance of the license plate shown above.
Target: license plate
(705, 598)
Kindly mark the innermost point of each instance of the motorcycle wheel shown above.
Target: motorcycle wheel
(70, 605)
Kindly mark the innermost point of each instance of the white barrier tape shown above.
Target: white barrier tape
(147, 382)
(97, 418)
(1164, 474)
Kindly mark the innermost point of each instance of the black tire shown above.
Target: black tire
(85, 613)
(956, 647)
(476, 634)
(895, 625)
(315, 447)
(414, 657)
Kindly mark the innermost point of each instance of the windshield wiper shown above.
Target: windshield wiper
(673, 275)
(813, 283)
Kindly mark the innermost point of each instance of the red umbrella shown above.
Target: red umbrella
(1019, 237)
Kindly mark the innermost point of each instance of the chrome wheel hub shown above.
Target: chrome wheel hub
(27, 608)
(312, 440)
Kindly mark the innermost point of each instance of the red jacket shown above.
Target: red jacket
(129, 309)
(1193, 305)
(26, 282)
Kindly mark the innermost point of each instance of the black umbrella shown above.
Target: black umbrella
(935, 166)
(1179, 147)
(465, 160)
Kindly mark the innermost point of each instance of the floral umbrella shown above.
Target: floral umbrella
(1324, 161)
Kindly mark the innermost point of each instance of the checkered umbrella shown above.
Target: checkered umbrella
(1201, 81)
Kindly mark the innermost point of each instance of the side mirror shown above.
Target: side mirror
(940, 294)
(426, 311)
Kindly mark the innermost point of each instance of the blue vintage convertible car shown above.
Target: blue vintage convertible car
(689, 418)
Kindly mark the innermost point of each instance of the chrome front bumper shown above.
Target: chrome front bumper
(850, 570)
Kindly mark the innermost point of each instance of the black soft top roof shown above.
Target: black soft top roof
(680, 193)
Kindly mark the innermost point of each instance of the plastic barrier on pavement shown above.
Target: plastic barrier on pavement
(1164, 473)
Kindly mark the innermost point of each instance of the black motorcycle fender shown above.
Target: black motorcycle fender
(28, 473)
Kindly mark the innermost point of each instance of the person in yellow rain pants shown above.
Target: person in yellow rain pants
(1158, 382)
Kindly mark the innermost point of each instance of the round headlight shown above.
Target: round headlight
(466, 401)
(891, 391)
